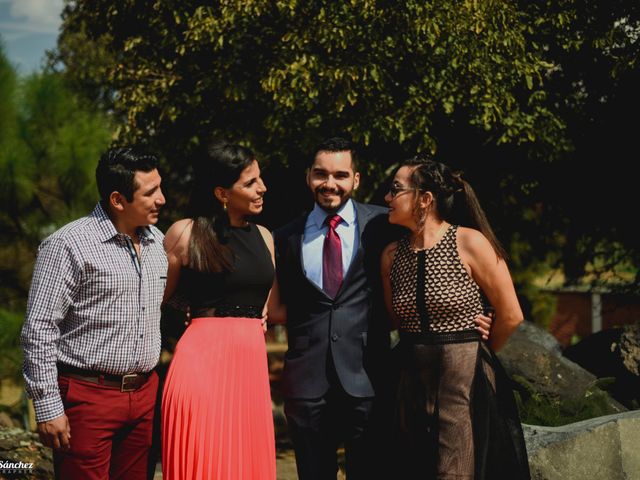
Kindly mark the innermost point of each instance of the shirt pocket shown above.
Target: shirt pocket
(114, 286)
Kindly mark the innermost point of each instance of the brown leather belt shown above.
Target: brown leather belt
(129, 382)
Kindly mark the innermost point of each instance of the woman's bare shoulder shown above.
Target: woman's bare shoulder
(474, 245)
(389, 253)
(472, 239)
(264, 230)
(266, 236)
(178, 235)
(390, 249)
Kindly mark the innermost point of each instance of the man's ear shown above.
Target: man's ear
(116, 200)
(220, 194)
(356, 180)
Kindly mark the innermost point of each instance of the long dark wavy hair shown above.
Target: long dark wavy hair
(455, 200)
(220, 166)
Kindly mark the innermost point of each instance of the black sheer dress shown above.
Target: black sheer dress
(456, 415)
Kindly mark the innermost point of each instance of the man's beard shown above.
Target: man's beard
(323, 202)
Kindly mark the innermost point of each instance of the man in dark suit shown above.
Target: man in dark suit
(338, 333)
(338, 380)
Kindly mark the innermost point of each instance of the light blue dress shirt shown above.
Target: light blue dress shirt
(313, 241)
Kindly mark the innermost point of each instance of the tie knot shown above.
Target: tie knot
(333, 221)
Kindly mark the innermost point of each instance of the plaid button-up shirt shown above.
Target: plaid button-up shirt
(93, 305)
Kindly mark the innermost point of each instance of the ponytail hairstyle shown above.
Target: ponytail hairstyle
(220, 166)
(455, 200)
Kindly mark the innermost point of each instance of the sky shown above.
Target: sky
(27, 29)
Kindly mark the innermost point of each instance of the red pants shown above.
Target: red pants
(111, 431)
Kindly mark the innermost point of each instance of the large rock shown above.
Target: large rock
(532, 356)
(602, 448)
(613, 353)
(17, 445)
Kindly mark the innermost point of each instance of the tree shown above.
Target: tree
(49, 145)
(584, 196)
(283, 75)
(508, 91)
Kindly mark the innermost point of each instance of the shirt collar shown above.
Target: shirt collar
(107, 230)
(346, 211)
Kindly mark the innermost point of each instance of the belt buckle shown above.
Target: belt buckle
(129, 382)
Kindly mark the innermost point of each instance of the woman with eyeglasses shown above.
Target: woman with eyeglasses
(456, 416)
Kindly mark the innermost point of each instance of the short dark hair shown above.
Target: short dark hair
(338, 144)
(117, 168)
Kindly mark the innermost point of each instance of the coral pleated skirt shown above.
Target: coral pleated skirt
(217, 421)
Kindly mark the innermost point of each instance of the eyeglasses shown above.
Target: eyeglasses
(395, 189)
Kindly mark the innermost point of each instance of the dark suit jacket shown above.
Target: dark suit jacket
(351, 330)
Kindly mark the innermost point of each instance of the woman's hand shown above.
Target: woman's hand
(263, 320)
(483, 324)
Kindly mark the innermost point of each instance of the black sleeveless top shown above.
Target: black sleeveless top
(249, 282)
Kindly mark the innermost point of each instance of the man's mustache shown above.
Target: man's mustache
(336, 191)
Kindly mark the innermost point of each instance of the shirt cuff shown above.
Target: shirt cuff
(48, 408)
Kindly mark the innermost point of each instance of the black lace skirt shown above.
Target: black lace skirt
(456, 416)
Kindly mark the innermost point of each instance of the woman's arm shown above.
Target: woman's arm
(492, 275)
(176, 244)
(386, 261)
(274, 309)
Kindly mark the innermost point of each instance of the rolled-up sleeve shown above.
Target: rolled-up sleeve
(56, 277)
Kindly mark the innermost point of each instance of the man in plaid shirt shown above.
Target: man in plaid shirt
(91, 336)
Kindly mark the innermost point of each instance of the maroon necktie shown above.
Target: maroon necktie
(332, 258)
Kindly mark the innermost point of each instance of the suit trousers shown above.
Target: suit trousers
(111, 431)
(319, 426)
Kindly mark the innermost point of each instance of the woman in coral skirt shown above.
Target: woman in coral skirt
(216, 405)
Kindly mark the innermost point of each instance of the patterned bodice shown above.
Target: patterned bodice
(452, 299)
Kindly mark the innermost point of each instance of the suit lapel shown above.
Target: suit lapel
(362, 217)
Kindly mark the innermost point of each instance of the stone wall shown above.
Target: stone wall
(603, 448)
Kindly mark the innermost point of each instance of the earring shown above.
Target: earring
(420, 216)
(224, 206)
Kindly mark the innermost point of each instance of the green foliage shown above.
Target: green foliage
(584, 195)
(527, 271)
(10, 352)
(538, 409)
(520, 95)
(283, 74)
(7, 89)
(49, 146)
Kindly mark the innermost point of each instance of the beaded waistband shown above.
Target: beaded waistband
(440, 338)
(248, 311)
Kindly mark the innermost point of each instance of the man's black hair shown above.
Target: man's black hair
(117, 168)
